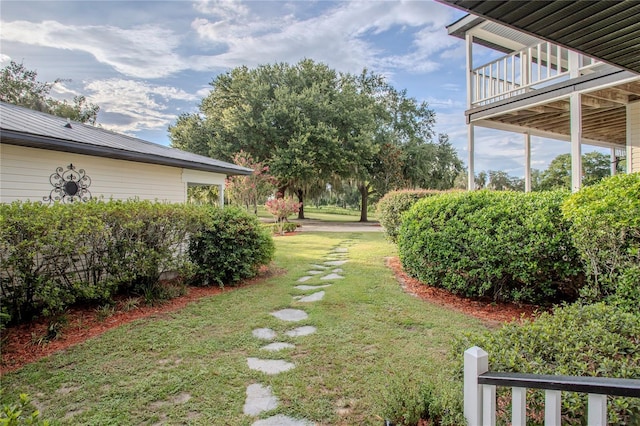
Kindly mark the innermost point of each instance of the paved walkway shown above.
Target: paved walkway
(318, 280)
(324, 226)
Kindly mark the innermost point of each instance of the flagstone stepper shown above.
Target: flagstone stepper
(290, 314)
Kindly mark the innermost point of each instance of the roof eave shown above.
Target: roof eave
(42, 142)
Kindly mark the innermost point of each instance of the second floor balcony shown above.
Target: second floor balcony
(525, 70)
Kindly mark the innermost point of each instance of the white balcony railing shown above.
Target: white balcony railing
(480, 392)
(525, 70)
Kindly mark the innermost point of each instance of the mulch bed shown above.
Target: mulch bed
(492, 313)
(19, 345)
(82, 323)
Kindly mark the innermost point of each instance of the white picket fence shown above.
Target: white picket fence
(480, 392)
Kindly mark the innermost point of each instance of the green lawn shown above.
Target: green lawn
(327, 213)
(190, 366)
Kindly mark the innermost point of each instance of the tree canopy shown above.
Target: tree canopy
(19, 86)
(311, 126)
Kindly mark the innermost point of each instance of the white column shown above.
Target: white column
(614, 162)
(469, 51)
(476, 362)
(597, 410)
(221, 195)
(576, 137)
(471, 182)
(633, 137)
(527, 162)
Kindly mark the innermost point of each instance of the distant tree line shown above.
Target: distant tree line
(595, 166)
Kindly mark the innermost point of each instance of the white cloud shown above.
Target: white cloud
(146, 51)
(222, 8)
(131, 106)
(338, 37)
(4, 59)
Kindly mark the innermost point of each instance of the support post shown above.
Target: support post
(476, 362)
(614, 162)
(471, 181)
(519, 406)
(527, 162)
(221, 195)
(575, 102)
(597, 410)
(469, 62)
(574, 64)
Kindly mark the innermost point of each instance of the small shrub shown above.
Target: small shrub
(576, 340)
(281, 209)
(281, 227)
(394, 204)
(21, 413)
(54, 331)
(105, 311)
(407, 400)
(504, 245)
(605, 228)
(230, 247)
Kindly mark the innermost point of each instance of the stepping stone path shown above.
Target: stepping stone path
(311, 287)
(261, 398)
(277, 346)
(264, 333)
(312, 297)
(301, 331)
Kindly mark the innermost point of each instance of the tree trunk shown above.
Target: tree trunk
(281, 191)
(300, 194)
(364, 197)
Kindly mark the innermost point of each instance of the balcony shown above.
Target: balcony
(526, 70)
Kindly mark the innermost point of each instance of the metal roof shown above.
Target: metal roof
(606, 30)
(25, 127)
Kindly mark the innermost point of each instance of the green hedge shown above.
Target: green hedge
(54, 256)
(394, 204)
(576, 340)
(504, 245)
(606, 231)
(231, 247)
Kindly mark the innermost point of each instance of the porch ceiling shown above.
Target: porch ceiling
(603, 115)
(606, 30)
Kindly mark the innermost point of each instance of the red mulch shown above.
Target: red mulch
(82, 323)
(18, 347)
(492, 313)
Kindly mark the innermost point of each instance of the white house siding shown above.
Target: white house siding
(25, 172)
(633, 136)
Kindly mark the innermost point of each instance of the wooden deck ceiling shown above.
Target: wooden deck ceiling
(603, 115)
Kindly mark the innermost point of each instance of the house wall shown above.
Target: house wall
(25, 172)
(633, 136)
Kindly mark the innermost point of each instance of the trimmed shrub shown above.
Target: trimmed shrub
(230, 247)
(605, 228)
(147, 239)
(394, 204)
(54, 256)
(508, 246)
(576, 340)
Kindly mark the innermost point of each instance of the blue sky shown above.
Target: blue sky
(145, 62)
